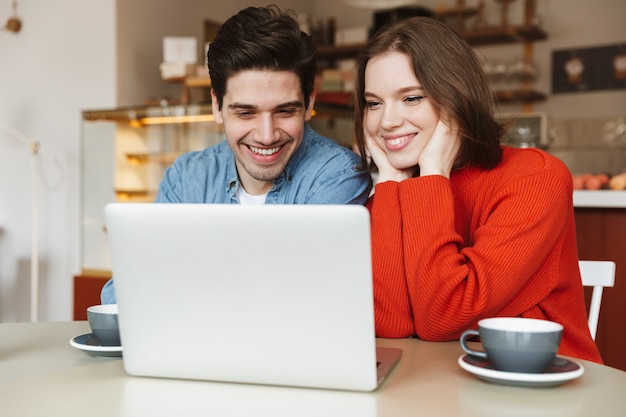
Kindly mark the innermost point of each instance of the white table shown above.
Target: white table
(42, 375)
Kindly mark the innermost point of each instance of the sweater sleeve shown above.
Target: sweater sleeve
(453, 280)
(393, 313)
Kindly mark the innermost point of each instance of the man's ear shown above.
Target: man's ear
(309, 111)
(215, 108)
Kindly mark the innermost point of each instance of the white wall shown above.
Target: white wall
(73, 55)
(63, 60)
(139, 35)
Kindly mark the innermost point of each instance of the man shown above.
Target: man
(262, 70)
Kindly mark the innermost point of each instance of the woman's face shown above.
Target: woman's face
(398, 114)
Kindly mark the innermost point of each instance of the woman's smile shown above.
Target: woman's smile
(397, 142)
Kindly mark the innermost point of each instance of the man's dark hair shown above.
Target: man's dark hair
(261, 38)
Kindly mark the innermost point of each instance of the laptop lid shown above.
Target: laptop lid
(271, 294)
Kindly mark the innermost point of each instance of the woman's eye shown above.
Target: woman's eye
(414, 99)
(372, 105)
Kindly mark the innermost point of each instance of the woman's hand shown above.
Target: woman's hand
(386, 172)
(442, 149)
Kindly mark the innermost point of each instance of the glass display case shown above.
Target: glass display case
(124, 154)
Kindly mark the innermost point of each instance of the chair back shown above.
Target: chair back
(596, 274)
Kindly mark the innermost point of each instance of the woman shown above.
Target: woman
(462, 227)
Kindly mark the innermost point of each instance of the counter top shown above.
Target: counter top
(600, 198)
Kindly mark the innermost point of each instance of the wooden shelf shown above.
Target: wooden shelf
(134, 195)
(133, 115)
(524, 34)
(456, 11)
(144, 158)
(188, 83)
(334, 98)
(331, 111)
(483, 37)
(198, 82)
(339, 51)
(334, 104)
(519, 95)
(512, 34)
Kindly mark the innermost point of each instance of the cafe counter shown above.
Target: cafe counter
(601, 234)
(600, 198)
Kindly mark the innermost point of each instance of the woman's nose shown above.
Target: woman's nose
(391, 118)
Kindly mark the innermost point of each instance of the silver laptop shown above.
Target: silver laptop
(271, 294)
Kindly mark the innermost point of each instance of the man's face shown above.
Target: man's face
(263, 115)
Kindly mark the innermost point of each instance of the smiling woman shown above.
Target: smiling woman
(394, 96)
(463, 228)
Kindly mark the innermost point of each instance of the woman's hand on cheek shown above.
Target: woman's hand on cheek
(386, 172)
(442, 149)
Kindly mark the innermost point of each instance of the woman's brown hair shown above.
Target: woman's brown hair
(452, 78)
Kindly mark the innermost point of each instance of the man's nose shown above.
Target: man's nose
(266, 131)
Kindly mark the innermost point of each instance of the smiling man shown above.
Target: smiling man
(263, 69)
(262, 113)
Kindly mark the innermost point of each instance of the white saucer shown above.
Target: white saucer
(560, 371)
(89, 343)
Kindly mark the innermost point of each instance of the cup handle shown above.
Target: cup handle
(466, 334)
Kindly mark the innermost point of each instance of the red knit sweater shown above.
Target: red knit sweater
(447, 253)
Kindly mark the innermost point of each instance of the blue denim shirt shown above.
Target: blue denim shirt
(320, 172)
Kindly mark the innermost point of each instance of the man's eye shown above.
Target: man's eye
(244, 114)
(286, 112)
(373, 105)
(414, 99)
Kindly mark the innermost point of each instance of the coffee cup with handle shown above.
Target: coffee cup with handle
(516, 344)
(104, 324)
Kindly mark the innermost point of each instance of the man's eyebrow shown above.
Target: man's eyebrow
(296, 103)
(241, 106)
(290, 104)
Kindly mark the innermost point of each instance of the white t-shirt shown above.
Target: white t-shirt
(245, 198)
